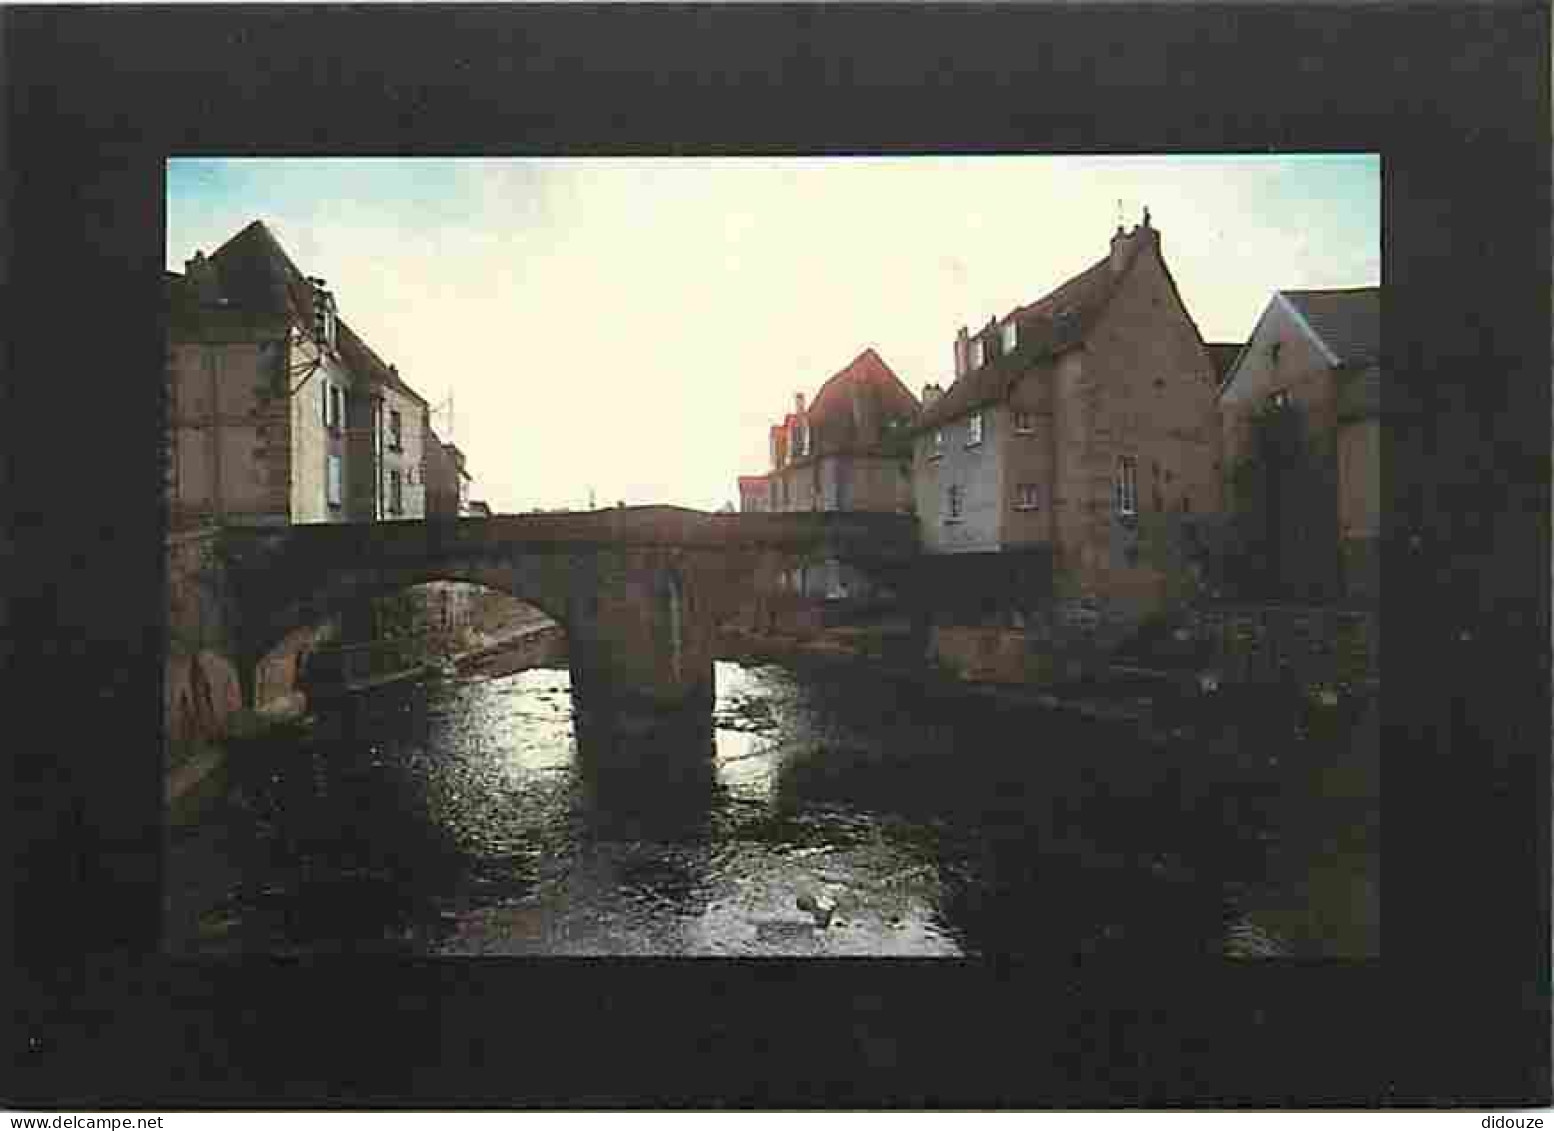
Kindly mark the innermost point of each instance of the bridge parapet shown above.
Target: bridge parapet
(874, 535)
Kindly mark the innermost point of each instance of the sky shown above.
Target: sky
(628, 329)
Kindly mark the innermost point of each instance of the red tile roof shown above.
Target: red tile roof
(866, 375)
(851, 411)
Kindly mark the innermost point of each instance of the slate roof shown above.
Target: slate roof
(1348, 321)
(1052, 324)
(254, 274)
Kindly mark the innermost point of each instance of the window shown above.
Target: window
(1025, 423)
(1026, 497)
(974, 430)
(938, 444)
(334, 481)
(334, 406)
(1009, 336)
(978, 353)
(394, 430)
(396, 492)
(952, 503)
(1125, 488)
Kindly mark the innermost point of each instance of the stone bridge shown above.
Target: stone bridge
(640, 591)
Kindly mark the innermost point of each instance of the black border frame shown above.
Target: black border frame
(1455, 98)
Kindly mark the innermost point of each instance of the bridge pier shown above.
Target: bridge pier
(640, 643)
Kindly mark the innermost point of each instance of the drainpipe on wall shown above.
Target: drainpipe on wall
(377, 456)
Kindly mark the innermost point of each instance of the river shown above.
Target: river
(830, 811)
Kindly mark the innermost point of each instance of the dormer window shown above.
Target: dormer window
(323, 315)
(1009, 336)
(974, 430)
(978, 353)
(394, 430)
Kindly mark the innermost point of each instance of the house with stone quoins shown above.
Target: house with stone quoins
(847, 450)
(277, 410)
(1079, 435)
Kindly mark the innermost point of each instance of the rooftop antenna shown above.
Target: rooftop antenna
(446, 408)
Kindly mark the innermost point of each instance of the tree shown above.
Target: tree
(1284, 534)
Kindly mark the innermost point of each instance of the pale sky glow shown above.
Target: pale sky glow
(634, 326)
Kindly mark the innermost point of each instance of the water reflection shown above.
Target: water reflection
(826, 814)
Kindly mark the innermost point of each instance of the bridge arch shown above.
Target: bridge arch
(338, 591)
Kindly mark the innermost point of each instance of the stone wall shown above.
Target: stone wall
(200, 688)
(201, 696)
(229, 427)
(277, 687)
(1153, 388)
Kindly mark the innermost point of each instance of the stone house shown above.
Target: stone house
(447, 478)
(450, 606)
(1309, 381)
(278, 412)
(1078, 440)
(386, 428)
(849, 450)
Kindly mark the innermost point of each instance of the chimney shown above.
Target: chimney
(1150, 234)
(798, 404)
(962, 352)
(1119, 250)
(201, 272)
